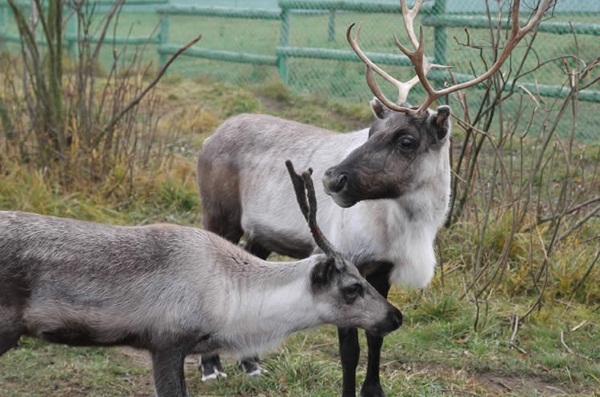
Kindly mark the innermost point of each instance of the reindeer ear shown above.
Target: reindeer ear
(323, 273)
(379, 109)
(441, 122)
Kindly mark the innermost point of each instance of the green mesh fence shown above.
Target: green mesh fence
(303, 43)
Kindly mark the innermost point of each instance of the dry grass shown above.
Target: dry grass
(452, 344)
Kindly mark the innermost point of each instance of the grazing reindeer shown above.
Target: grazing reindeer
(172, 290)
(391, 183)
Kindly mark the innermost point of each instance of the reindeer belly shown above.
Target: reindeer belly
(284, 243)
(278, 231)
(77, 334)
(60, 321)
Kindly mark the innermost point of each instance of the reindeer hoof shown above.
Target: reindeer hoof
(372, 390)
(251, 367)
(256, 372)
(211, 368)
(213, 376)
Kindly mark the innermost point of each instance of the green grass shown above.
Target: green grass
(39, 369)
(436, 353)
(443, 349)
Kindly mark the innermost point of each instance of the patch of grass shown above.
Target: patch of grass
(275, 90)
(425, 357)
(437, 352)
(177, 197)
(37, 369)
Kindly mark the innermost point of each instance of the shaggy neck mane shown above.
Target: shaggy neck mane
(258, 319)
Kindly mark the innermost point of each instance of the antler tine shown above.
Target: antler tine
(419, 61)
(417, 57)
(403, 88)
(516, 34)
(422, 65)
(303, 186)
(298, 183)
(408, 16)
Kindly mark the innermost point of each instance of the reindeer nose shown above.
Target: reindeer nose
(334, 183)
(396, 318)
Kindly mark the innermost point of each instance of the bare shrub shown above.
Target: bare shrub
(73, 119)
(525, 205)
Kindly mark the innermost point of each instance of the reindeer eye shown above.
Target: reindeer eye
(352, 292)
(407, 142)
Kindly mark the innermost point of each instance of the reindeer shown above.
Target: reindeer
(172, 290)
(391, 184)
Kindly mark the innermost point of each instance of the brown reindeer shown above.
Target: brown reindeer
(391, 184)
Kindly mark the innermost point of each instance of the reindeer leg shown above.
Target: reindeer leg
(10, 329)
(372, 386)
(257, 249)
(9, 338)
(349, 353)
(167, 367)
(211, 367)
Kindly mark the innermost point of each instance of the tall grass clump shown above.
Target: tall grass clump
(83, 127)
(525, 209)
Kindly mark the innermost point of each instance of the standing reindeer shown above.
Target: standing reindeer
(391, 184)
(172, 290)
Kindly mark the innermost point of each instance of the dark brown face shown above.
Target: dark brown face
(344, 298)
(403, 152)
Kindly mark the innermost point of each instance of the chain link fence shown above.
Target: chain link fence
(309, 52)
(303, 44)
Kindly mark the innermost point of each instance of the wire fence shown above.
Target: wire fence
(312, 55)
(303, 44)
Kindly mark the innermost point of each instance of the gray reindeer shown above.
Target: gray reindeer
(391, 184)
(171, 290)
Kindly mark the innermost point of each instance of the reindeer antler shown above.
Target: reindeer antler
(422, 65)
(307, 200)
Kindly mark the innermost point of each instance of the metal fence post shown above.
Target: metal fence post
(163, 35)
(3, 22)
(284, 42)
(72, 36)
(439, 33)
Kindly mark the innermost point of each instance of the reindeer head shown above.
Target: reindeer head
(407, 146)
(342, 296)
(403, 153)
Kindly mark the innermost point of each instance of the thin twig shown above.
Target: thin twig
(511, 342)
(571, 351)
(570, 210)
(580, 223)
(581, 324)
(562, 340)
(451, 390)
(142, 94)
(514, 346)
(544, 268)
(515, 321)
(585, 275)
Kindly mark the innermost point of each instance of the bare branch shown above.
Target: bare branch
(110, 125)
